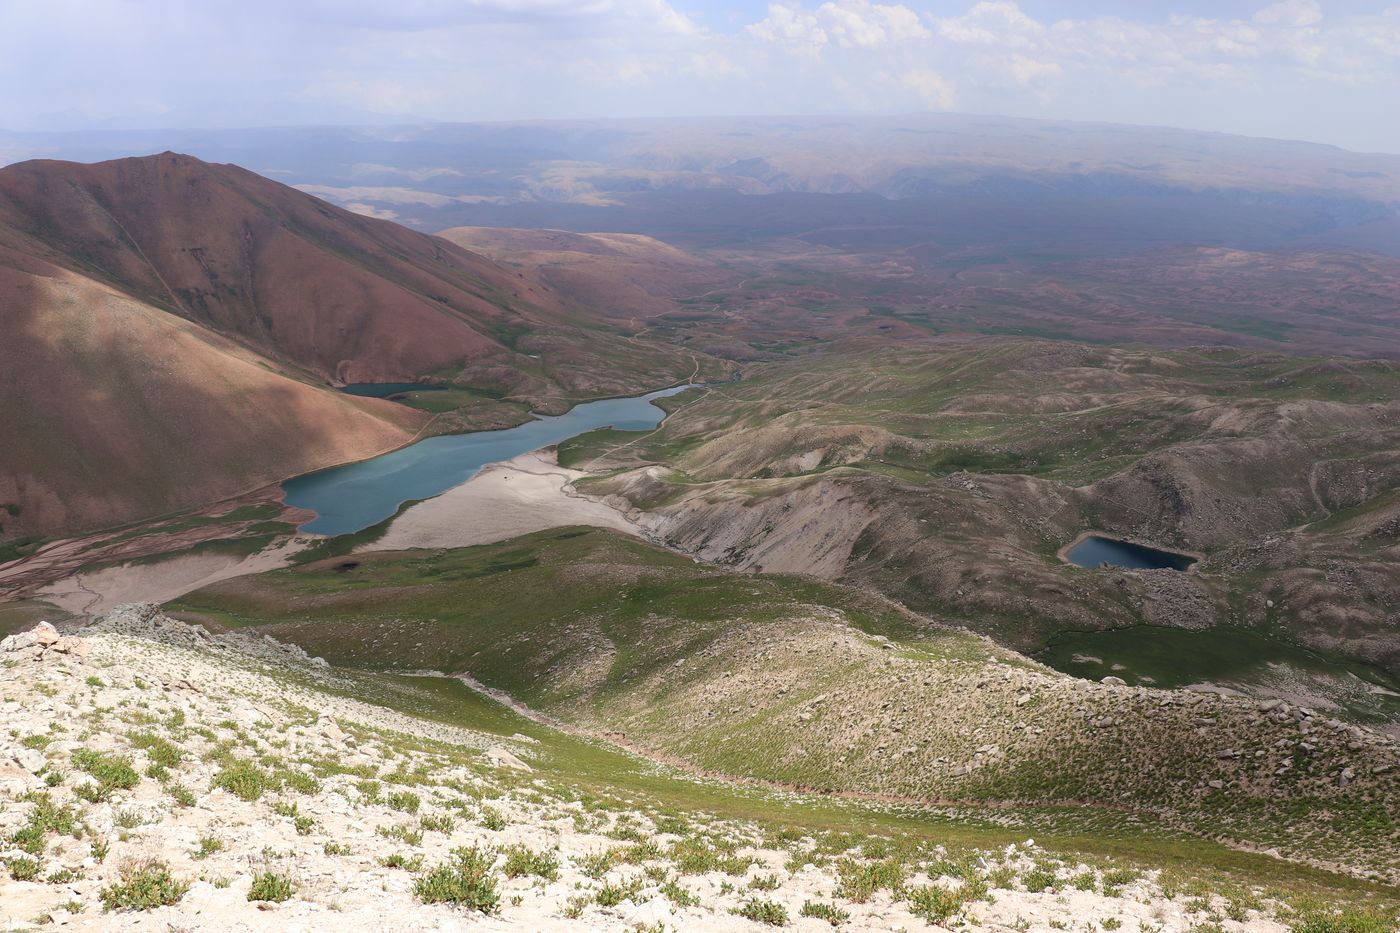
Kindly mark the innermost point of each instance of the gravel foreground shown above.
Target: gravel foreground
(154, 776)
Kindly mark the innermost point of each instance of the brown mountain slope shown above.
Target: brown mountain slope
(344, 296)
(629, 275)
(113, 410)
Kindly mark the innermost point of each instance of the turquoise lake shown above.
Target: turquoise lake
(352, 497)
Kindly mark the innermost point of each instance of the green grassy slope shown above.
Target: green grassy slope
(821, 687)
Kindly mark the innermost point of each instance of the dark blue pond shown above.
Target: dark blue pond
(386, 389)
(1094, 551)
(357, 495)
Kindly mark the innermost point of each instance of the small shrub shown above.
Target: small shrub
(761, 911)
(492, 819)
(678, 895)
(828, 912)
(143, 886)
(403, 833)
(301, 782)
(610, 895)
(405, 801)
(521, 860)
(242, 779)
(764, 883)
(208, 845)
(271, 886)
(1038, 879)
(934, 904)
(160, 751)
(440, 823)
(46, 817)
(859, 880)
(130, 819)
(574, 908)
(110, 771)
(335, 848)
(1351, 920)
(182, 795)
(466, 880)
(22, 867)
(399, 860)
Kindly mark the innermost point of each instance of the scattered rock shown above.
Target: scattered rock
(499, 757)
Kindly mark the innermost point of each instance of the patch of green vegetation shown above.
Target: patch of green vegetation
(828, 912)
(143, 886)
(243, 779)
(763, 911)
(110, 772)
(521, 860)
(272, 887)
(467, 880)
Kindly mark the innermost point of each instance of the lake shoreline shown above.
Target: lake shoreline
(352, 496)
(1063, 552)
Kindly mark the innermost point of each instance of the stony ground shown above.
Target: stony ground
(153, 776)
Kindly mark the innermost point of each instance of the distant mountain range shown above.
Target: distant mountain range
(660, 177)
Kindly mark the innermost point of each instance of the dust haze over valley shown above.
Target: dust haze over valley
(809, 646)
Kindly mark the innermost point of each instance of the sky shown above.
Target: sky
(1299, 69)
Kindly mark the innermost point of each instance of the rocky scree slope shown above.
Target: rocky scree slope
(153, 774)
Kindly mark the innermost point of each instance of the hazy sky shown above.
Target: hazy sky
(1306, 69)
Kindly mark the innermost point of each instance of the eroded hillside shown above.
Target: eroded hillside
(950, 475)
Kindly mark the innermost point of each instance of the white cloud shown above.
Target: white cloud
(841, 23)
(1028, 71)
(790, 25)
(993, 22)
(931, 87)
(1290, 14)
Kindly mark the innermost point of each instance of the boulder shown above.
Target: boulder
(500, 758)
(29, 759)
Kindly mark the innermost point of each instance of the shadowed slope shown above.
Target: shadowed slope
(112, 410)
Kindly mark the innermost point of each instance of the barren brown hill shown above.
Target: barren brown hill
(112, 410)
(347, 297)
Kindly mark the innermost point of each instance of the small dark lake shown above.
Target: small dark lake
(1095, 550)
(386, 389)
(352, 497)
